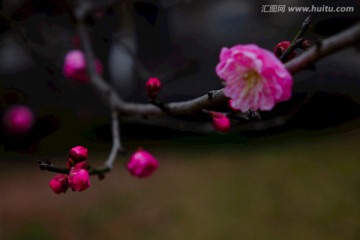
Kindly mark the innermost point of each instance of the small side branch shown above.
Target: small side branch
(116, 142)
(48, 166)
(109, 163)
(298, 37)
(326, 47)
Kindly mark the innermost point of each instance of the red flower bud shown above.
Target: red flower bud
(78, 154)
(153, 86)
(79, 179)
(220, 122)
(59, 183)
(281, 47)
(142, 164)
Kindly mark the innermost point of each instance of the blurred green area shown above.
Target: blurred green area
(296, 185)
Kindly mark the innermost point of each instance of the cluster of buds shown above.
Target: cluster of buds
(78, 178)
(75, 66)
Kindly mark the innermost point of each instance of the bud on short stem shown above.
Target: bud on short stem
(220, 122)
(78, 154)
(153, 86)
(75, 66)
(305, 44)
(280, 49)
(59, 184)
(79, 179)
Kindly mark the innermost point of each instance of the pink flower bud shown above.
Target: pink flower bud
(18, 120)
(75, 66)
(78, 154)
(142, 164)
(281, 47)
(153, 86)
(59, 183)
(220, 122)
(79, 179)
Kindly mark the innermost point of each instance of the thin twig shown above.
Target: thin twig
(46, 165)
(109, 163)
(116, 142)
(295, 42)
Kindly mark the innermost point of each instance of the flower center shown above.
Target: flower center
(252, 78)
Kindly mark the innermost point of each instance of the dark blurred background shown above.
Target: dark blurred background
(292, 175)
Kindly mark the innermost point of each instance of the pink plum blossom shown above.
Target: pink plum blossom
(79, 179)
(75, 66)
(220, 122)
(59, 183)
(18, 119)
(254, 78)
(142, 164)
(77, 154)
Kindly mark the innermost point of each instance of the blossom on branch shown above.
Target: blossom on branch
(254, 78)
(75, 66)
(142, 164)
(59, 183)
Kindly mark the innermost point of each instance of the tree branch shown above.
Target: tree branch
(215, 98)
